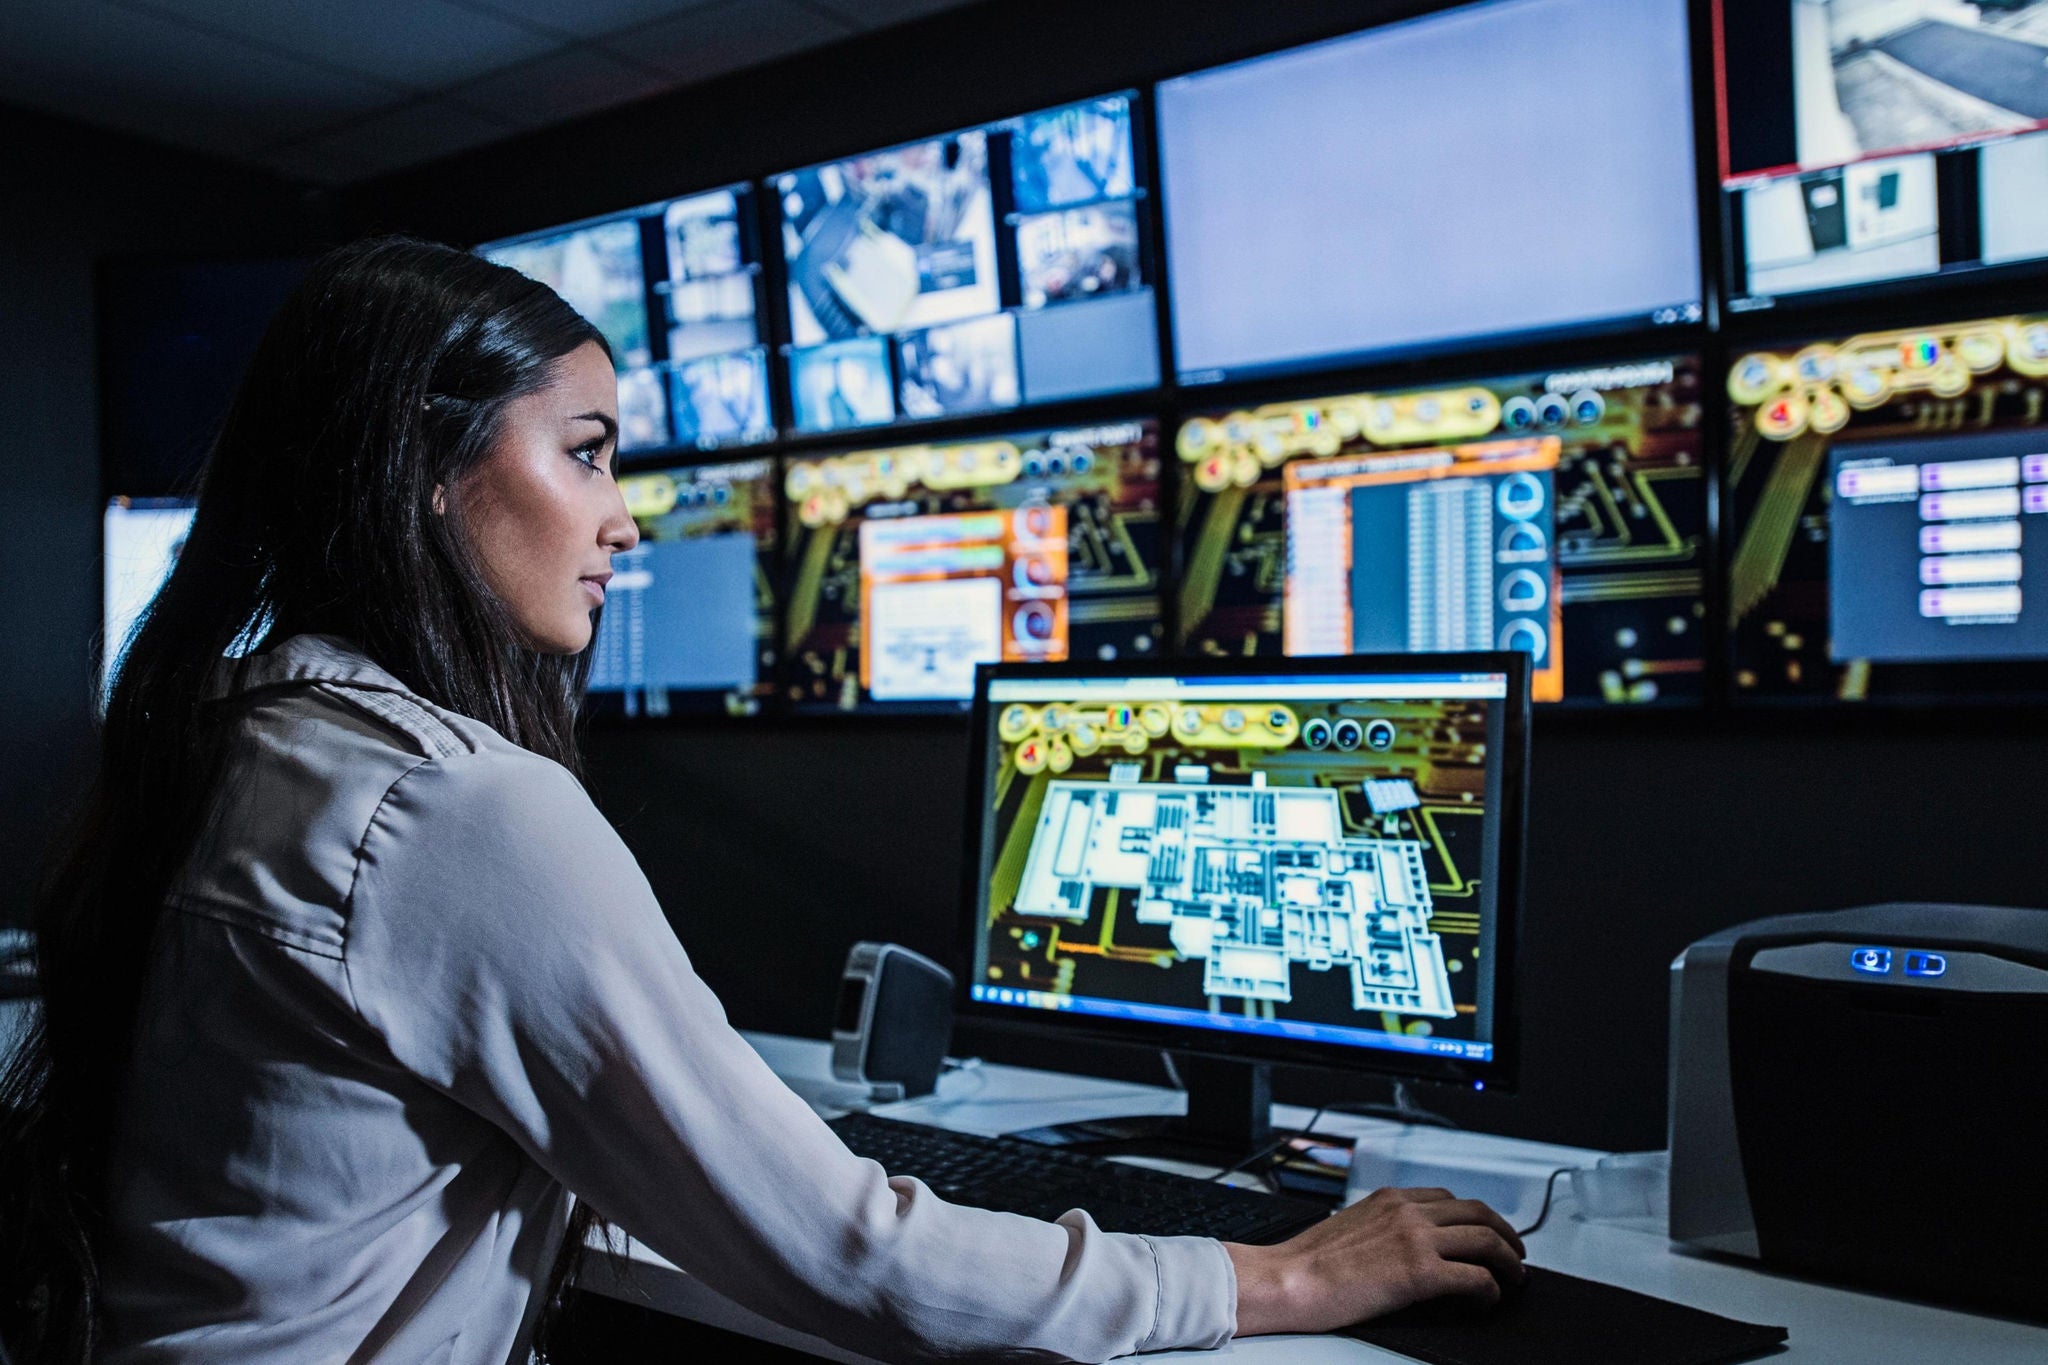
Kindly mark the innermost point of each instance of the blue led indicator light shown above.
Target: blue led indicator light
(1876, 961)
(1925, 964)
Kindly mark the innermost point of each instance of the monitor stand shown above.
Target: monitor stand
(1228, 1120)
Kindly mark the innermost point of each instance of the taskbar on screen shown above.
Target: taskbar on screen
(1298, 1030)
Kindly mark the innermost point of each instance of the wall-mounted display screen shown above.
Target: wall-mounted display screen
(143, 537)
(1562, 514)
(689, 616)
(1867, 142)
(987, 269)
(909, 566)
(1887, 494)
(675, 288)
(1439, 183)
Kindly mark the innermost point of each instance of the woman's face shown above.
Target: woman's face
(541, 511)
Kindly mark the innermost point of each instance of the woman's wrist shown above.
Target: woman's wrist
(1262, 1288)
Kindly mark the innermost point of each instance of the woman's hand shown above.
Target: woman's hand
(1390, 1249)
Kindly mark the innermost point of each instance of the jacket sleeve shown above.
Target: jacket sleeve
(505, 944)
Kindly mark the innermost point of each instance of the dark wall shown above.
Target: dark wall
(776, 845)
(69, 197)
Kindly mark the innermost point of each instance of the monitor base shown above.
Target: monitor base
(1228, 1121)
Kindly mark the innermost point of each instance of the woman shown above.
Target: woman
(348, 985)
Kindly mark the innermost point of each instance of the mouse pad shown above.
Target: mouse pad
(1558, 1319)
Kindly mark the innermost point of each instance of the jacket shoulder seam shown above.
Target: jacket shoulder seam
(406, 714)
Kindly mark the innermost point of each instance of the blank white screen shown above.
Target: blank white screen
(1501, 168)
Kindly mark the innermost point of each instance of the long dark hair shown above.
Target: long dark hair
(383, 378)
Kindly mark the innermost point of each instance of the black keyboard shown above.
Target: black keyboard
(1011, 1175)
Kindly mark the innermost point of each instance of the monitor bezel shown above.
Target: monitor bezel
(1501, 1073)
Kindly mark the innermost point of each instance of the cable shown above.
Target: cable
(1269, 1150)
(1549, 1186)
(1172, 1071)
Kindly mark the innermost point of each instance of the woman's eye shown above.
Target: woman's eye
(587, 455)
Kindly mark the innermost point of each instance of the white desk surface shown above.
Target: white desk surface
(1829, 1326)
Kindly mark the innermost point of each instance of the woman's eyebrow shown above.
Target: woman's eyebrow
(611, 427)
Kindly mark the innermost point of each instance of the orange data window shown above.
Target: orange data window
(940, 594)
(1448, 547)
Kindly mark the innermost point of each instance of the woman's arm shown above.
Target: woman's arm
(504, 943)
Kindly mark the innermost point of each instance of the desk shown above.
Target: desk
(1829, 1326)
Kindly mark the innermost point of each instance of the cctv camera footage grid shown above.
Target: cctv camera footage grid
(1301, 868)
(980, 271)
(1885, 494)
(674, 289)
(1562, 514)
(908, 566)
(1867, 143)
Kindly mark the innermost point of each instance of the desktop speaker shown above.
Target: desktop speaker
(1849, 1099)
(894, 1021)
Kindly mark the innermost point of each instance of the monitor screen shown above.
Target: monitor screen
(1282, 857)
(689, 616)
(676, 289)
(1562, 514)
(1433, 184)
(1866, 144)
(1881, 490)
(142, 539)
(987, 269)
(909, 566)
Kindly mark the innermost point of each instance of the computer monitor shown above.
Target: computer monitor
(1509, 171)
(992, 268)
(1882, 489)
(1561, 513)
(910, 565)
(676, 289)
(142, 540)
(1310, 861)
(689, 616)
(1866, 146)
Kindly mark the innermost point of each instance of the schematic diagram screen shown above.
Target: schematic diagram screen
(909, 566)
(1561, 514)
(1313, 858)
(1887, 494)
(689, 616)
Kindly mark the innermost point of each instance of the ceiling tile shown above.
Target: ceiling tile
(318, 166)
(409, 44)
(558, 87)
(119, 68)
(727, 36)
(882, 13)
(588, 18)
(415, 132)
